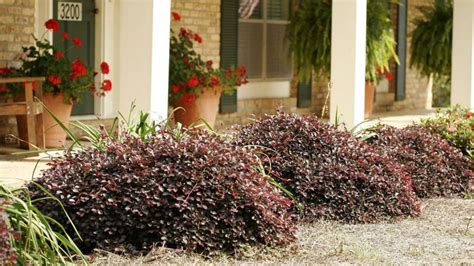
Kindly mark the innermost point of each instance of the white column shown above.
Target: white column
(142, 59)
(348, 61)
(462, 89)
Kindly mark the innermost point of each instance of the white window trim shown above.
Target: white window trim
(264, 21)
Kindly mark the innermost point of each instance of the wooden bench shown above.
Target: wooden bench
(31, 107)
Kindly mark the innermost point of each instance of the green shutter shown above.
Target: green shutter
(304, 93)
(401, 50)
(229, 48)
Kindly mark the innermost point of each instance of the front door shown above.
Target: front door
(77, 18)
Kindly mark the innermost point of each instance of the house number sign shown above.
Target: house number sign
(70, 11)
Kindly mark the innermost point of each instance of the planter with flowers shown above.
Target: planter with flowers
(194, 85)
(65, 81)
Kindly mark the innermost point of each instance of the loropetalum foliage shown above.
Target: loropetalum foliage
(190, 190)
(431, 42)
(332, 174)
(70, 77)
(189, 74)
(7, 254)
(456, 125)
(309, 33)
(437, 169)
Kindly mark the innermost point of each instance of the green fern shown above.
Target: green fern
(309, 34)
(431, 41)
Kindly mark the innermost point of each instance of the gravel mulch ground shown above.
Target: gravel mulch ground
(444, 233)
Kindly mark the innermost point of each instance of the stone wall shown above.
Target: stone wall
(17, 20)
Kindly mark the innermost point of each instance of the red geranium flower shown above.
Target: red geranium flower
(65, 35)
(214, 81)
(209, 64)
(389, 76)
(175, 88)
(52, 24)
(107, 85)
(54, 79)
(188, 98)
(193, 82)
(77, 42)
(176, 16)
(104, 67)
(78, 69)
(58, 55)
(183, 32)
(4, 71)
(197, 38)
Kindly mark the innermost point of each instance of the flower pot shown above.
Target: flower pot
(55, 136)
(369, 98)
(206, 107)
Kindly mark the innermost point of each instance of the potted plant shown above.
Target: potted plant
(431, 47)
(65, 81)
(309, 34)
(194, 85)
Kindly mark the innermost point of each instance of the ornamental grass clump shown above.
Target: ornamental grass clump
(332, 174)
(187, 190)
(437, 169)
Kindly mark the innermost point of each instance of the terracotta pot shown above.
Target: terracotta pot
(205, 107)
(369, 98)
(55, 136)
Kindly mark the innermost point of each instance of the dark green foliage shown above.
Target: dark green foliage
(431, 42)
(190, 190)
(332, 174)
(437, 169)
(309, 33)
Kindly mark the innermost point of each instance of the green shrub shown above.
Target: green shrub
(456, 125)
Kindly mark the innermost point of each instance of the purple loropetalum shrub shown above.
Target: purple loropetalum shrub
(331, 173)
(189, 190)
(7, 254)
(437, 169)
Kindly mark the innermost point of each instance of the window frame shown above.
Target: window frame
(264, 21)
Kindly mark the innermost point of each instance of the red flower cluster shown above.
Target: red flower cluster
(77, 42)
(58, 55)
(78, 69)
(104, 67)
(54, 79)
(188, 98)
(190, 35)
(193, 82)
(65, 35)
(176, 16)
(469, 115)
(106, 85)
(52, 24)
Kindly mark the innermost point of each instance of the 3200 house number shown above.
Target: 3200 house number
(70, 11)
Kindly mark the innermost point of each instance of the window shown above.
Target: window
(263, 47)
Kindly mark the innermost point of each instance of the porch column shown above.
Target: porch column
(143, 55)
(462, 88)
(348, 61)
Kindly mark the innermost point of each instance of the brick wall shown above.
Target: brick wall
(16, 26)
(202, 17)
